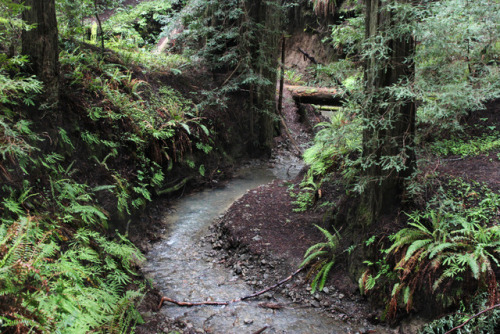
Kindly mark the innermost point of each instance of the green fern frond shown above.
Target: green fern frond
(416, 245)
(441, 247)
(315, 247)
(313, 256)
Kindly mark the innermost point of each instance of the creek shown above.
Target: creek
(182, 268)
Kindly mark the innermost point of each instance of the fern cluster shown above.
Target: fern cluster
(59, 271)
(322, 257)
(158, 127)
(335, 145)
(451, 248)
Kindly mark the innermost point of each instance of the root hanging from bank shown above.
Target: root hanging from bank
(219, 303)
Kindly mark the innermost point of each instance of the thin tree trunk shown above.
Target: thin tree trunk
(282, 75)
(100, 27)
(41, 45)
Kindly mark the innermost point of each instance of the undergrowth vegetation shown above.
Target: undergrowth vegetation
(444, 247)
(57, 273)
(449, 248)
(61, 269)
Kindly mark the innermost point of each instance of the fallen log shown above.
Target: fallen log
(316, 95)
(327, 108)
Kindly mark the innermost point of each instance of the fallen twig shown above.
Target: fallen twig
(218, 303)
(474, 316)
(166, 299)
(273, 306)
(261, 330)
(273, 286)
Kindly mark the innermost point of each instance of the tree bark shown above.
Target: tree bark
(388, 152)
(264, 51)
(40, 44)
(316, 95)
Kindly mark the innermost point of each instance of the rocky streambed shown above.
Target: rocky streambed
(194, 262)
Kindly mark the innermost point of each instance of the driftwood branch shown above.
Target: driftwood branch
(179, 303)
(261, 330)
(273, 286)
(474, 316)
(218, 303)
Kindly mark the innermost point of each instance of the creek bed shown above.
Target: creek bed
(182, 268)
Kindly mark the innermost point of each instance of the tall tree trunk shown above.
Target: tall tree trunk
(40, 44)
(264, 51)
(388, 150)
(389, 123)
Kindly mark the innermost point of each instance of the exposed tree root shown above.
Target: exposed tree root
(218, 303)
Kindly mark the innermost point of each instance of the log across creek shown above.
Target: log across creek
(316, 95)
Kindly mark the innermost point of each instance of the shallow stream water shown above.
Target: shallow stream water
(181, 268)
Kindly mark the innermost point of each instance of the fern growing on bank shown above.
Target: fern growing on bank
(451, 247)
(322, 256)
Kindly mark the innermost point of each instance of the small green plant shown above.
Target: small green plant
(293, 78)
(471, 147)
(484, 324)
(306, 197)
(323, 255)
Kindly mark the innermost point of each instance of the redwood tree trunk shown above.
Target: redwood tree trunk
(264, 50)
(40, 44)
(388, 152)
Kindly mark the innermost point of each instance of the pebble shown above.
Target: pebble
(248, 321)
(146, 314)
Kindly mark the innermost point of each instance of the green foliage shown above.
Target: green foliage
(233, 37)
(461, 76)
(334, 145)
(133, 28)
(292, 77)
(73, 290)
(142, 119)
(57, 274)
(343, 73)
(454, 245)
(323, 255)
(347, 37)
(487, 323)
(471, 147)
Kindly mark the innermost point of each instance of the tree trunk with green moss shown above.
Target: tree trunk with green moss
(264, 50)
(40, 44)
(389, 124)
(388, 136)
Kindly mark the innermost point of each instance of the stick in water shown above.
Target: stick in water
(189, 304)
